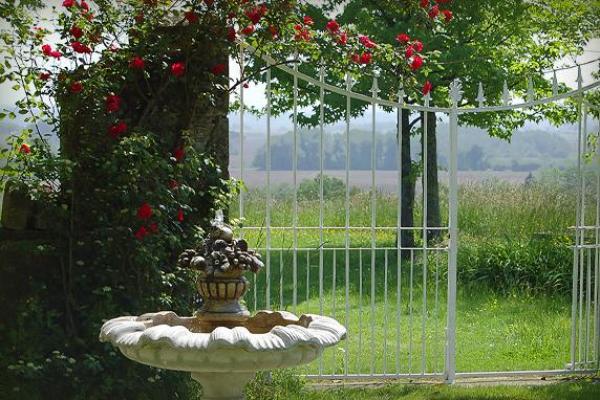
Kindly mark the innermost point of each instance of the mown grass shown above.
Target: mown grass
(284, 386)
(514, 274)
(393, 329)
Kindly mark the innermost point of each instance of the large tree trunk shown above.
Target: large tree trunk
(407, 238)
(433, 191)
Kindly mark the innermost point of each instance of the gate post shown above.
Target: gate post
(450, 360)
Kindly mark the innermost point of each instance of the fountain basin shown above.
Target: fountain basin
(222, 359)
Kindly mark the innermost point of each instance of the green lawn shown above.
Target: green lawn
(495, 332)
(285, 386)
(499, 330)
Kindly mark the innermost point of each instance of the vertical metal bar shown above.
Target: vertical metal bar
(333, 283)
(399, 229)
(242, 110)
(588, 304)
(450, 361)
(575, 278)
(410, 310)
(425, 196)
(589, 265)
(269, 200)
(582, 232)
(321, 189)
(307, 277)
(373, 216)
(360, 298)
(295, 179)
(576, 249)
(385, 310)
(597, 264)
(281, 280)
(347, 222)
(254, 292)
(436, 340)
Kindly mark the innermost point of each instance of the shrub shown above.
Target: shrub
(333, 188)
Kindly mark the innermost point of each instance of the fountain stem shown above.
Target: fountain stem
(223, 386)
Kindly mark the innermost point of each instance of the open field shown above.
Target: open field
(385, 180)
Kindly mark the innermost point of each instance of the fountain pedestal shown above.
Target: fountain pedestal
(220, 386)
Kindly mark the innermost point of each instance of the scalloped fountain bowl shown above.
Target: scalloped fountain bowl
(223, 359)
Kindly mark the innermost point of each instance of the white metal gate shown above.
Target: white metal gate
(585, 314)
(400, 313)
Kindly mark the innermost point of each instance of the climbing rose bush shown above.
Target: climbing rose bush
(132, 179)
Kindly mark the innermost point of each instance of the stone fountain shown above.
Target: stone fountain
(222, 345)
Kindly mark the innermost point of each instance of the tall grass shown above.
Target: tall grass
(512, 236)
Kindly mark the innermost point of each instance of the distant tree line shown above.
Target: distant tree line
(334, 152)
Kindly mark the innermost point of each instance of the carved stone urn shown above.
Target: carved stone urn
(222, 345)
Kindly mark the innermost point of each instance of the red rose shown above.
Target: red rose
(218, 69)
(153, 227)
(178, 69)
(76, 32)
(24, 149)
(79, 47)
(355, 58)
(231, 34)
(274, 31)
(365, 41)
(249, 30)
(137, 62)
(56, 54)
(403, 38)
(113, 103)
(145, 211)
(173, 184)
(117, 129)
(255, 14)
(417, 63)
(68, 3)
(410, 51)
(47, 49)
(191, 17)
(44, 76)
(84, 6)
(308, 20)
(76, 87)
(418, 45)
(303, 34)
(365, 58)
(332, 26)
(425, 3)
(179, 153)
(180, 215)
(427, 88)
(448, 15)
(343, 40)
(434, 12)
(141, 233)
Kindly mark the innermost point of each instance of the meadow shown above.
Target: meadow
(514, 277)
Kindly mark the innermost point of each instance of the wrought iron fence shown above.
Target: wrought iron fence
(399, 303)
